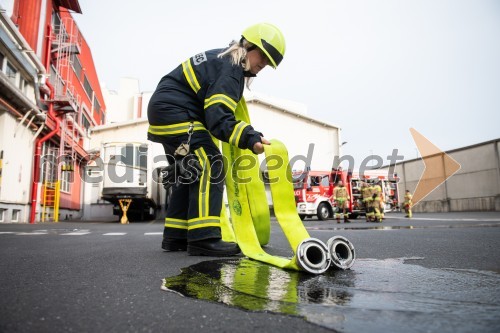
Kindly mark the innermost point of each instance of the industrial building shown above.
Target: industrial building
(49, 97)
(474, 187)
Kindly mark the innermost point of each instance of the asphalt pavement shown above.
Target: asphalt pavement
(105, 277)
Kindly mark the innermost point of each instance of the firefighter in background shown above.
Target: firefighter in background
(341, 197)
(408, 204)
(192, 104)
(377, 202)
(382, 200)
(366, 195)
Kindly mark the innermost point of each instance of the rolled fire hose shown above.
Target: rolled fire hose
(250, 213)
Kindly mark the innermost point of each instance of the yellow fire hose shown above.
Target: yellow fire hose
(250, 217)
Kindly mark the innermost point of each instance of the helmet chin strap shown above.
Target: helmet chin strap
(251, 48)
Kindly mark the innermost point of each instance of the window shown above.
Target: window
(97, 108)
(23, 85)
(56, 22)
(77, 66)
(2, 57)
(11, 72)
(87, 87)
(2, 214)
(66, 180)
(16, 214)
(85, 122)
(48, 164)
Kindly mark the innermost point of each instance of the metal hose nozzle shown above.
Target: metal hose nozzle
(341, 252)
(312, 256)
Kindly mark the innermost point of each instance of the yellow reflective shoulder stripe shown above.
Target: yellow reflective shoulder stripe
(175, 129)
(203, 222)
(204, 190)
(235, 137)
(176, 223)
(190, 75)
(221, 98)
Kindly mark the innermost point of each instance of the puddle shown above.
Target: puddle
(60, 231)
(374, 296)
(397, 227)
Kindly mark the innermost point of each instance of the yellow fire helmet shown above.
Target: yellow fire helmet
(268, 39)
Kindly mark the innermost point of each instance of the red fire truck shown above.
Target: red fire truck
(314, 189)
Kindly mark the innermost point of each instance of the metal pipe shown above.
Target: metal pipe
(39, 142)
(22, 121)
(42, 126)
(342, 253)
(27, 126)
(312, 256)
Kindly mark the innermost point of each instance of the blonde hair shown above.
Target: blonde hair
(238, 53)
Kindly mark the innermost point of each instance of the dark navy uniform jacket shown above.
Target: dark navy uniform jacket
(204, 90)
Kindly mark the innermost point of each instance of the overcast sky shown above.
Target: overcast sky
(374, 68)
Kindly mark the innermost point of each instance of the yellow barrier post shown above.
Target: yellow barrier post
(124, 205)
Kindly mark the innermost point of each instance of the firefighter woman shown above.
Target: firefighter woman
(191, 104)
(408, 204)
(341, 197)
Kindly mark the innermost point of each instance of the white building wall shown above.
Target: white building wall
(17, 163)
(297, 133)
(8, 6)
(120, 104)
(112, 100)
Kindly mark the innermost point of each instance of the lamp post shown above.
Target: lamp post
(340, 148)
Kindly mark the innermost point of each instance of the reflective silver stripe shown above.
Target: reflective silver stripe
(221, 98)
(190, 75)
(204, 189)
(178, 224)
(234, 139)
(175, 129)
(204, 223)
(200, 222)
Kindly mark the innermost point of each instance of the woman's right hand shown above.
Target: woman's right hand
(258, 147)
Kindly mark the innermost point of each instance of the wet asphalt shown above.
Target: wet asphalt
(101, 276)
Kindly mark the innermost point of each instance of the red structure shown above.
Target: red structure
(69, 91)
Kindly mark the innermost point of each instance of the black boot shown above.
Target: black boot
(212, 247)
(173, 244)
